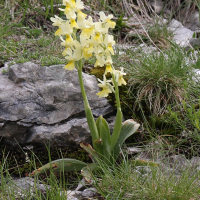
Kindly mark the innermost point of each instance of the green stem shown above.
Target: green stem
(88, 112)
(118, 121)
(116, 91)
(80, 66)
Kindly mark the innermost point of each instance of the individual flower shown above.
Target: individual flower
(69, 9)
(69, 13)
(67, 30)
(98, 31)
(69, 4)
(99, 50)
(87, 27)
(73, 56)
(109, 42)
(106, 19)
(119, 75)
(106, 87)
(79, 5)
(81, 16)
(101, 62)
(87, 51)
(57, 21)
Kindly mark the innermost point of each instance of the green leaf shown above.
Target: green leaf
(105, 123)
(104, 133)
(98, 146)
(128, 128)
(66, 164)
(117, 129)
(106, 144)
(87, 171)
(92, 153)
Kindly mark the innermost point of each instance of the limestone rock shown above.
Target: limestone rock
(182, 35)
(40, 103)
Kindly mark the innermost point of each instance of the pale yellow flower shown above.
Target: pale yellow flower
(106, 19)
(87, 51)
(70, 66)
(80, 16)
(120, 74)
(106, 87)
(87, 27)
(108, 68)
(58, 32)
(68, 42)
(102, 61)
(73, 56)
(79, 5)
(109, 42)
(98, 31)
(57, 21)
(73, 23)
(67, 30)
(70, 3)
(70, 13)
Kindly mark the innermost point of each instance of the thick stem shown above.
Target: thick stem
(88, 112)
(116, 91)
(118, 121)
(80, 66)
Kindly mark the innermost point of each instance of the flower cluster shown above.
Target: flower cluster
(93, 40)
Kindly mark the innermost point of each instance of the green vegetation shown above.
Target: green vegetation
(161, 95)
(147, 182)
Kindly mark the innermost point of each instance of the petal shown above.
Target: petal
(70, 66)
(104, 93)
(108, 69)
(58, 32)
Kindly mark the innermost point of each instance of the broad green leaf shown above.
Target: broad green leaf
(66, 164)
(87, 171)
(100, 121)
(105, 123)
(104, 133)
(98, 124)
(105, 136)
(117, 129)
(92, 153)
(128, 128)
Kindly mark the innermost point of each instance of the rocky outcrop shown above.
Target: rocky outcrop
(39, 104)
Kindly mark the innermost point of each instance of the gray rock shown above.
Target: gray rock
(90, 192)
(182, 35)
(41, 103)
(73, 132)
(26, 187)
(73, 195)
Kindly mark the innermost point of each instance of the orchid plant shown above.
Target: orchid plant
(93, 40)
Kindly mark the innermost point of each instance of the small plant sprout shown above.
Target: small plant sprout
(82, 39)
